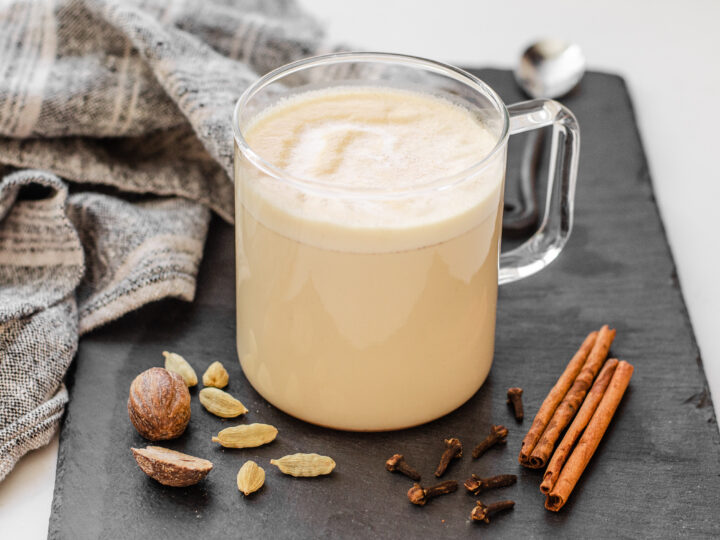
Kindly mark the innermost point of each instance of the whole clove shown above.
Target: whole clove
(420, 495)
(397, 463)
(453, 450)
(497, 436)
(482, 512)
(514, 398)
(476, 484)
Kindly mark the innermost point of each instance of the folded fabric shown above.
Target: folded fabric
(130, 101)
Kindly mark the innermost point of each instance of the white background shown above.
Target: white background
(669, 53)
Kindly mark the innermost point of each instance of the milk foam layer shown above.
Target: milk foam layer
(374, 138)
(370, 139)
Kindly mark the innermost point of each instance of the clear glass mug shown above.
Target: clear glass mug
(374, 308)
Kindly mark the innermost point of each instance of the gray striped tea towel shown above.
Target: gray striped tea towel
(112, 99)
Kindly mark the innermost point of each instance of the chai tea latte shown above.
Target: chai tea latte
(366, 289)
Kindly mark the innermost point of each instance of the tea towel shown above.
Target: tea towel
(115, 146)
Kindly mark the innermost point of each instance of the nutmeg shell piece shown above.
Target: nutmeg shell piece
(171, 468)
(159, 404)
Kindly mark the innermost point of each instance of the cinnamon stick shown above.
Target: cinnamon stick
(572, 400)
(553, 399)
(578, 425)
(590, 439)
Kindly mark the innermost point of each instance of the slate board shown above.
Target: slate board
(656, 473)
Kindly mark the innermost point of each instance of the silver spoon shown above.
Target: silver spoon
(548, 68)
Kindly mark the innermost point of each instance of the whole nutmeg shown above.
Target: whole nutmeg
(159, 404)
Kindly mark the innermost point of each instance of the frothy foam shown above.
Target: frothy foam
(370, 138)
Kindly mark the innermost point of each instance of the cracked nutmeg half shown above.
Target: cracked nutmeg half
(171, 468)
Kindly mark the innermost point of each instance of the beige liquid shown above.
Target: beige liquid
(367, 314)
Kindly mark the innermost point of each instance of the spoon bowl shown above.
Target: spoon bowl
(550, 68)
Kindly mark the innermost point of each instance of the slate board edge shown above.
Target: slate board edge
(706, 399)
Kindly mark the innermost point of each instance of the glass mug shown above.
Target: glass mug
(373, 308)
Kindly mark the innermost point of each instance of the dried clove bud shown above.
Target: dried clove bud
(476, 484)
(420, 495)
(482, 512)
(497, 436)
(453, 450)
(398, 463)
(515, 399)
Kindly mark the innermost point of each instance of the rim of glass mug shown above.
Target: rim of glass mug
(340, 190)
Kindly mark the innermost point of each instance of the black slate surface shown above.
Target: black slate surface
(656, 473)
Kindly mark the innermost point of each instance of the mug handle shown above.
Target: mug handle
(545, 245)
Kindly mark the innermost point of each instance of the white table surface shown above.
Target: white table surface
(640, 40)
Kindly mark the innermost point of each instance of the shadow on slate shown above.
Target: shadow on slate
(656, 473)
